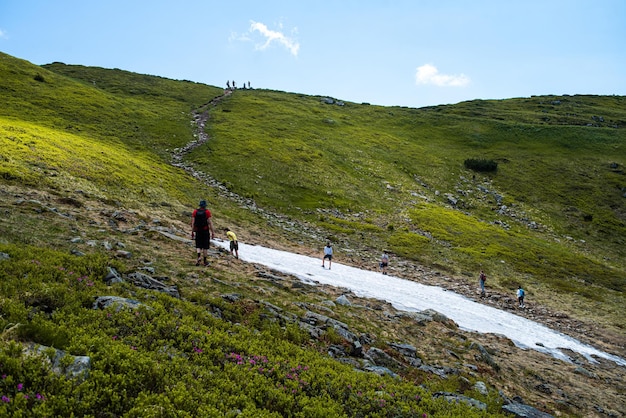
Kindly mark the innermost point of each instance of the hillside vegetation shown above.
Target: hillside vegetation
(88, 186)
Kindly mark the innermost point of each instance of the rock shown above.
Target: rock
(343, 300)
(231, 297)
(4, 256)
(442, 372)
(380, 358)
(481, 388)
(585, 372)
(112, 276)
(524, 411)
(123, 254)
(147, 282)
(77, 368)
(486, 357)
(453, 397)
(404, 349)
(104, 302)
(381, 371)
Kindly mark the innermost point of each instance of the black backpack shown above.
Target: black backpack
(202, 220)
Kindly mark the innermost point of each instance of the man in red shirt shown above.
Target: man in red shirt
(202, 231)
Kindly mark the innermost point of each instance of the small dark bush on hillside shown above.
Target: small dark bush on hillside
(481, 165)
(39, 78)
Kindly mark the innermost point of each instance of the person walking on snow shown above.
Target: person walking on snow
(328, 254)
(481, 281)
(520, 296)
(234, 244)
(202, 231)
(384, 262)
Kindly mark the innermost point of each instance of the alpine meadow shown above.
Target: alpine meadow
(105, 314)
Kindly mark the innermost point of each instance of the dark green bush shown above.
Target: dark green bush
(480, 164)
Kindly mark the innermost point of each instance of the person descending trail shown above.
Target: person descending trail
(328, 254)
(481, 282)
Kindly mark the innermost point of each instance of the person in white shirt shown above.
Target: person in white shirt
(328, 254)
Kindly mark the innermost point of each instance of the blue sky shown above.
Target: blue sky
(407, 52)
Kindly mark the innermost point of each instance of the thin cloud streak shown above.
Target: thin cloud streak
(272, 36)
(428, 74)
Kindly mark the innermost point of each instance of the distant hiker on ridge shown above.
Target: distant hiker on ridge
(481, 281)
(227, 85)
(328, 254)
(202, 231)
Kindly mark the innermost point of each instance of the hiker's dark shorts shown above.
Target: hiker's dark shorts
(202, 239)
(328, 256)
(234, 245)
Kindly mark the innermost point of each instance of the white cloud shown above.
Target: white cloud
(273, 36)
(429, 74)
(3, 34)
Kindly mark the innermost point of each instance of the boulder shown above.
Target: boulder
(519, 410)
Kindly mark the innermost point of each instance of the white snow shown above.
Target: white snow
(410, 296)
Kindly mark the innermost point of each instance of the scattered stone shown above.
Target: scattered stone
(4, 256)
(481, 388)
(453, 397)
(104, 302)
(343, 301)
(147, 282)
(78, 368)
(381, 371)
(524, 411)
(112, 276)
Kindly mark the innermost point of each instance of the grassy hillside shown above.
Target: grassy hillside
(85, 169)
(385, 178)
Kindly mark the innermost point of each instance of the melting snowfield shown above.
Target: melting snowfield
(409, 296)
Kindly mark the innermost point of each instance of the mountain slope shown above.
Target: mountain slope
(85, 168)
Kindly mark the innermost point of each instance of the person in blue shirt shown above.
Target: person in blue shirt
(520, 296)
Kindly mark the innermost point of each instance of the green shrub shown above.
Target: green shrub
(481, 165)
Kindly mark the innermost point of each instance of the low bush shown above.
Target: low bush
(481, 164)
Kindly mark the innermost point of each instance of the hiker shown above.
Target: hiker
(202, 231)
(481, 281)
(227, 85)
(328, 254)
(384, 262)
(234, 244)
(520, 296)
